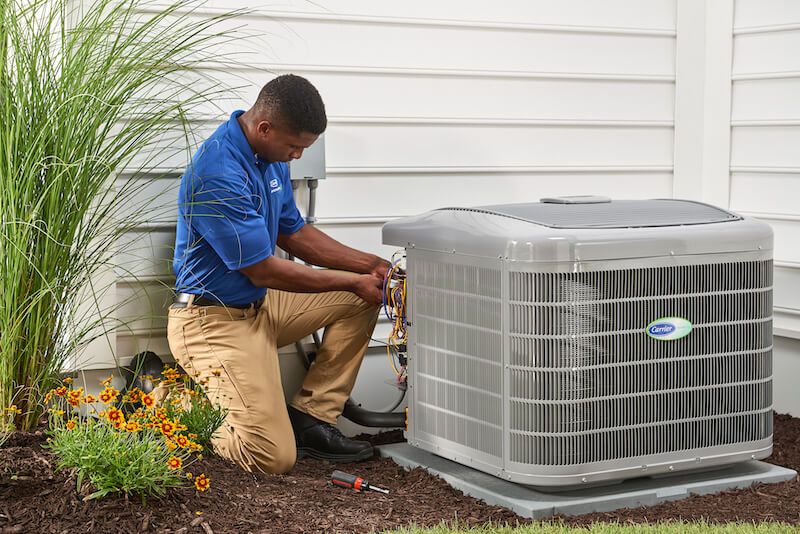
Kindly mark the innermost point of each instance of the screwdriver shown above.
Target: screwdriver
(346, 480)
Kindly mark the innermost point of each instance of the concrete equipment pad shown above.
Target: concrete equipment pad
(629, 494)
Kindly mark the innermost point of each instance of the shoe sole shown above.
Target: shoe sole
(312, 453)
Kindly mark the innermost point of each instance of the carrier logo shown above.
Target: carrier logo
(668, 328)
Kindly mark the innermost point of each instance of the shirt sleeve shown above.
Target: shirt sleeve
(290, 220)
(220, 208)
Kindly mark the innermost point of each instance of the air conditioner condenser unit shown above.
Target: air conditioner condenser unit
(579, 340)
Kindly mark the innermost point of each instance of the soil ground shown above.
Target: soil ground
(35, 498)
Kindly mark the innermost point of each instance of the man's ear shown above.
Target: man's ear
(263, 128)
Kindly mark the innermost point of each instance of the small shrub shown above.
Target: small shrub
(143, 452)
(117, 462)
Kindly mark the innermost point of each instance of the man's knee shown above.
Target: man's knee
(254, 452)
(280, 461)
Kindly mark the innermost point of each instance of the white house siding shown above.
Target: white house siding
(447, 103)
(765, 160)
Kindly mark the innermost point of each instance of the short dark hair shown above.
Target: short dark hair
(296, 103)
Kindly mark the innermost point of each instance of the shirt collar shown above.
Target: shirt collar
(239, 139)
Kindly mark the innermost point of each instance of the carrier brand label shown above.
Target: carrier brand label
(668, 328)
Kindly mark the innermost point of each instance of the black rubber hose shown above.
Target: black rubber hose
(360, 416)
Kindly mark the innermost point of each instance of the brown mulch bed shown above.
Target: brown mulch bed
(35, 498)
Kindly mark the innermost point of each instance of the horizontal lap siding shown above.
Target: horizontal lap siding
(445, 103)
(765, 162)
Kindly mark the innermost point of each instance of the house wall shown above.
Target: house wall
(470, 103)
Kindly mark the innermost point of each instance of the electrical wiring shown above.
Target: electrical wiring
(394, 307)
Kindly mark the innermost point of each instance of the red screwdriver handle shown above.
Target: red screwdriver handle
(346, 480)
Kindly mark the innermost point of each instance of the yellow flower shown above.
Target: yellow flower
(189, 476)
(147, 401)
(134, 395)
(171, 445)
(181, 441)
(115, 416)
(202, 482)
(13, 409)
(89, 399)
(167, 427)
(71, 424)
(132, 426)
(171, 373)
(174, 463)
(68, 380)
(60, 391)
(108, 395)
(107, 381)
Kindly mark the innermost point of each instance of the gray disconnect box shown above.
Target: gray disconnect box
(312, 165)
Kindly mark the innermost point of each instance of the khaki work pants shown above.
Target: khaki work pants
(237, 352)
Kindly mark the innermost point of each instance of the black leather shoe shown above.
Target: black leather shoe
(321, 440)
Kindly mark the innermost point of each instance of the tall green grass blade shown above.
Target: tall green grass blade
(87, 90)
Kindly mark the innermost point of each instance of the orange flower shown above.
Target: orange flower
(115, 416)
(68, 380)
(132, 426)
(202, 482)
(108, 395)
(174, 463)
(182, 441)
(147, 401)
(60, 391)
(88, 399)
(171, 373)
(71, 424)
(167, 428)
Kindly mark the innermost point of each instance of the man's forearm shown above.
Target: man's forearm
(317, 248)
(277, 273)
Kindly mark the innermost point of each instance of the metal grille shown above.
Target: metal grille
(588, 385)
(457, 367)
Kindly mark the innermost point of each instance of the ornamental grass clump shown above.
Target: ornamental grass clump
(130, 447)
(95, 98)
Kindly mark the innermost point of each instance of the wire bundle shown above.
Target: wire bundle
(394, 306)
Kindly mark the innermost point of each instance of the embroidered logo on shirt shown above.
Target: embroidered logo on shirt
(274, 185)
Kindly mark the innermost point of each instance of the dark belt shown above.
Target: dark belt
(182, 300)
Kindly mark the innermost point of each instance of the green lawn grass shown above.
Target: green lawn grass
(612, 528)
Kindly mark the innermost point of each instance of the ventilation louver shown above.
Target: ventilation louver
(580, 340)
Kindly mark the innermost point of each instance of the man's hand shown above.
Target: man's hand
(370, 288)
(380, 267)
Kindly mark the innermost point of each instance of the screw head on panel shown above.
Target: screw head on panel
(671, 468)
(584, 480)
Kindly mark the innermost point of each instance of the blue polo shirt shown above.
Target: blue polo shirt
(231, 208)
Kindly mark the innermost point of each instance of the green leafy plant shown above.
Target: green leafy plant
(95, 96)
(187, 402)
(114, 461)
(142, 453)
